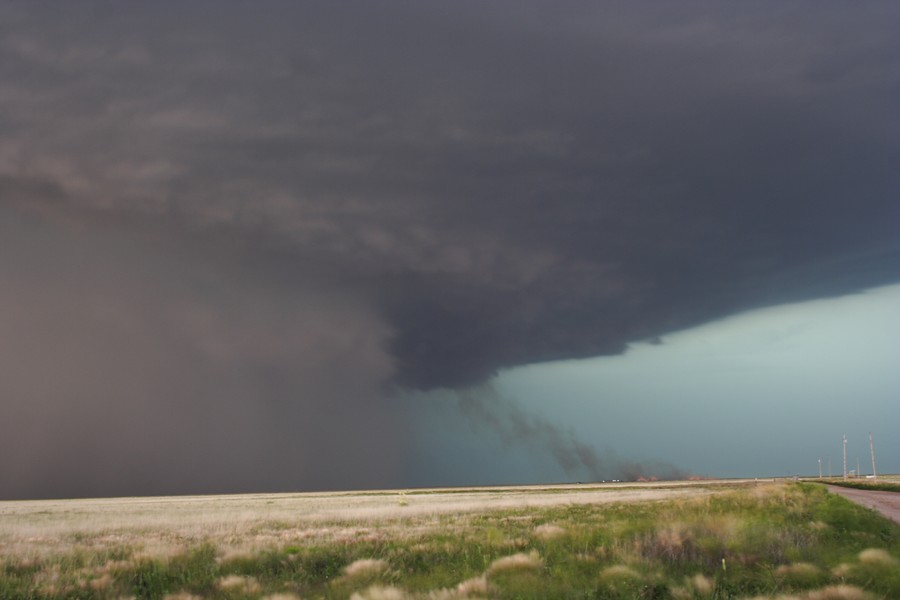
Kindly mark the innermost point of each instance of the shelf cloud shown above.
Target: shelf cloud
(281, 210)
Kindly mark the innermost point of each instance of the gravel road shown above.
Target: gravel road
(887, 503)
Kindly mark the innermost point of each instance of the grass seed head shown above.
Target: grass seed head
(797, 573)
(842, 571)
(548, 531)
(247, 585)
(702, 584)
(476, 587)
(839, 592)
(377, 592)
(619, 572)
(365, 566)
(877, 556)
(517, 561)
(103, 582)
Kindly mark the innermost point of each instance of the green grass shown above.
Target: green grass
(882, 486)
(752, 542)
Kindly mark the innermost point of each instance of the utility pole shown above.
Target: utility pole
(820, 468)
(845, 456)
(857, 466)
(872, 450)
(829, 468)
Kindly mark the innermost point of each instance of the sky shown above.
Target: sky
(764, 393)
(281, 246)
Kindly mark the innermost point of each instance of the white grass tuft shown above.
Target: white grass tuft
(476, 587)
(377, 592)
(702, 584)
(832, 592)
(181, 596)
(877, 556)
(839, 592)
(517, 561)
(697, 586)
(548, 531)
(365, 566)
(230, 554)
(842, 571)
(800, 568)
(103, 582)
(619, 572)
(281, 597)
(797, 572)
(247, 585)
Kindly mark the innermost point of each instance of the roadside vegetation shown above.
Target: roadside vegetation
(788, 540)
(865, 484)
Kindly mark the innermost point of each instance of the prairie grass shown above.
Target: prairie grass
(788, 540)
(880, 485)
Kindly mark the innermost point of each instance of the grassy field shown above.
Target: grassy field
(889, 483)
(697, 540)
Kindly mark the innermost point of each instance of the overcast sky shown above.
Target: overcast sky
(286, 246)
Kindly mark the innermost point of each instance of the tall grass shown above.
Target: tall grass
(787, 540)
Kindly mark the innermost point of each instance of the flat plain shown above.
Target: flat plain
(709, 539)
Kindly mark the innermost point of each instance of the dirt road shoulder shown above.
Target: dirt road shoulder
(887, 503)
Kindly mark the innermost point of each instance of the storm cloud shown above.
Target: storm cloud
(277, 210)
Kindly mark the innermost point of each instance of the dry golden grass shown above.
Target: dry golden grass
(165, 526)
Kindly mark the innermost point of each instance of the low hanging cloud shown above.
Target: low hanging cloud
(284, 211)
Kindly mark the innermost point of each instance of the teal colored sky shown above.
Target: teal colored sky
(764, 393)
